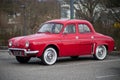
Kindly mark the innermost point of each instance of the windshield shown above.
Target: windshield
(51, 28)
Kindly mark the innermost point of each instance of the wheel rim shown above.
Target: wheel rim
(101, 52)
(50, 56)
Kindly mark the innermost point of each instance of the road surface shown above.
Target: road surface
(83, 68)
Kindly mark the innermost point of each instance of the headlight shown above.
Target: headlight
(10, 43)
(27, 44)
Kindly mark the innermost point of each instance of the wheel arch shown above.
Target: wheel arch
(95, 46)
(106, 46)
(53, 46)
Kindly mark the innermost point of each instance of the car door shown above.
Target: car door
(69, 40)
(85, 39)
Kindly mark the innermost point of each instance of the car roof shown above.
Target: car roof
(67, 21)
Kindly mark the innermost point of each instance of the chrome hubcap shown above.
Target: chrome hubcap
(50, 56)
(100, 52)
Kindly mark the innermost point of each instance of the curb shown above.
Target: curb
(4, 50)
(115, 53)
(3, 47)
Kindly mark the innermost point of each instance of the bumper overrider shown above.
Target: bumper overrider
(21, 52)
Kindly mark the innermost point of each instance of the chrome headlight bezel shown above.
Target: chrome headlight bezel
(10, 43)
(27, 44)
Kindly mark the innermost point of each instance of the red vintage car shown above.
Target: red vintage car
(61, 38)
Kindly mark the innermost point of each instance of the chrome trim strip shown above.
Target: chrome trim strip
(26, 52)
(93, 48)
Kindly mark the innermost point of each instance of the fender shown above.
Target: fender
(98, 44)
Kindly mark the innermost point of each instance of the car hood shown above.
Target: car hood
(34, 37)
(20, 41)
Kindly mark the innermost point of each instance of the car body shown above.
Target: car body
(61, 38)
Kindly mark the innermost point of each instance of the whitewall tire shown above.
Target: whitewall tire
(49, 56)
(101, 52)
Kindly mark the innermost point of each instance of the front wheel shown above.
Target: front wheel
(101, 52)
(22, 59)
(49, 56)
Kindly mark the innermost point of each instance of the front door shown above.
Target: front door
(69, 44)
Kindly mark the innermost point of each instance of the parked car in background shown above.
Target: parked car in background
(61, 38)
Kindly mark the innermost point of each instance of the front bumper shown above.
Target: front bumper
(21, 52)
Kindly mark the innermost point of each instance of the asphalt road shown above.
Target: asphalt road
(84, 68)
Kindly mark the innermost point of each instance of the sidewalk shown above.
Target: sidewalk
(4, 50)
(3, 47)
(115, 53)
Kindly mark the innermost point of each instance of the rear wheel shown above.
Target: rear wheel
(49, 56)
(101, 52)
(22, 59)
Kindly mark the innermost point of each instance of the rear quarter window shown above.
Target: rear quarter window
(83, 28)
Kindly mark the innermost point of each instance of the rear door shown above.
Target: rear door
(85, 39)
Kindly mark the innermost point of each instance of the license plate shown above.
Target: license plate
(18, 53)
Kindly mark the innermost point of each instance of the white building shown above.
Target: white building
(65, 11)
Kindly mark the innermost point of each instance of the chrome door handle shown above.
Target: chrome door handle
(77, 37)
(92, 37)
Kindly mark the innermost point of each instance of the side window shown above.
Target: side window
(57, 28)
(70, 29)
(83, 28)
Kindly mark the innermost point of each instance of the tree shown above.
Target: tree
(89, 9)
(5, 8)
(112, 3)
(114, 7)
(38, 12)
(27, 14)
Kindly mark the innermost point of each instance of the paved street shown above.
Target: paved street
(84, 68)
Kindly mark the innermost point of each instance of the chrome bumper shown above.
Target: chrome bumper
(24, 50)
